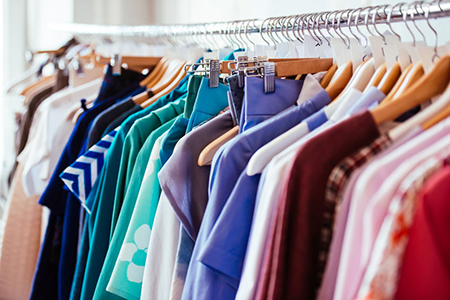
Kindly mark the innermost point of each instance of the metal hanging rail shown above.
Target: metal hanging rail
(371, 15)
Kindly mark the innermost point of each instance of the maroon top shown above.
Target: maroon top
(425, 271)
(300, 216)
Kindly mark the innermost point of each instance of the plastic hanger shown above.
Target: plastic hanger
(425, 88)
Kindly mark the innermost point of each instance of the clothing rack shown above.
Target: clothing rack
(363, 16)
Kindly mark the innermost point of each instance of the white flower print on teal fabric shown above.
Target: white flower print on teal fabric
(136, 254)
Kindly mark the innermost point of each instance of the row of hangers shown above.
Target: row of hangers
(417, 74)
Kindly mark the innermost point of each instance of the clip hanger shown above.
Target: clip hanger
(265, 69)
(116, 63)
(211, 70)
(214, 71)
(269, 77)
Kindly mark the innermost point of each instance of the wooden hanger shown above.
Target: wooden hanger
(132, 61)
(287, 67)
(154, 73)
(377, 77)
(160, 74)
(41, 81)
(413, 76)
(173, 69)
(428, 86)
(441, 114)
(207, 155)
(167, 90)
(171, 73)
(390, 79)
(340, 80)
(426, 118)
(328, 76)
(135, 63)
(397, 85)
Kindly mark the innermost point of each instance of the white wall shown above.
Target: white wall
(114, 12)
(198, 11)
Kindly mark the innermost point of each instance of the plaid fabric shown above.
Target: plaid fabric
(383, 283)
(337, 181)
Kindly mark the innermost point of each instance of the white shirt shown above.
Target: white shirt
(162, 252)
(51, 132)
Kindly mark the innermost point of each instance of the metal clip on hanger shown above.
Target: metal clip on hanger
(266, 70)
(212, 71)
(269, 77)
(116, 63)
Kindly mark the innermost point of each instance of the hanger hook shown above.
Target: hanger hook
(231, 35)
(303, 25)
(292, 23)
(271, 31)
(374, 22)
(426, 14)
(206, 38)
(318, 20)
(389, 16)
(327, 25)
(356, 22)
(412, 14)
(214, 41)
(310, 18)
(246, 33)
(313, 27)
(296, 29)
(336, 26)
(228, 34)
(366, 18)
(239, 35)
(287, 24)
(405, 16)
(279, 23)
(261, 29)
(245, 37)
(349, 24)
(282, 23)
(340, 29)
(234, 35)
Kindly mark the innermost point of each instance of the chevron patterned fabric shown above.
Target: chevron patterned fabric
(80, 176)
